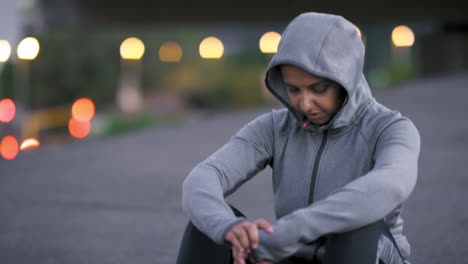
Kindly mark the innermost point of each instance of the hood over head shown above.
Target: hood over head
(327, 46)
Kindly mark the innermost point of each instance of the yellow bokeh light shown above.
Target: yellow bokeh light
(361, 35)
(269, 42)
(170, 52)
(211, 48)
(132, 49)
(358, 31)
(30, 143)
(402, 36)
(28, 48)
(5, 50)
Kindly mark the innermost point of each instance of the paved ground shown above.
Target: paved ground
(117, 200)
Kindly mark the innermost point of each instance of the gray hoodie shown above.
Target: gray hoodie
(355, 170)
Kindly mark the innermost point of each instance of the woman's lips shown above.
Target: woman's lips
(314, 116)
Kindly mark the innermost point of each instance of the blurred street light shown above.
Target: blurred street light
(361, 35)
(83, 109)
(9, 147)
(7, 110)
(129, 96)
(5, 50)
(132, 49)
(29, 143)
(79, 129)
(358, 31)
(28, 49)
(170, 52)
(402, 36)
(211, 48)
(402, 61)
(269, 42)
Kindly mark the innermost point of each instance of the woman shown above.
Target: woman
(343, 164)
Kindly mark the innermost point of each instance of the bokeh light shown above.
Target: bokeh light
(211, 48)
(170, 52)
(79, 129)
(361, 35)
(402, 36)
(269, 42)
(7, 110)
(358, 31)
(30, 143)
(5, 50)
(28, 48)
(132, 49)
(9, 148)
(83, 109)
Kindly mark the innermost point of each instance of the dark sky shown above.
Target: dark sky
(364, 11)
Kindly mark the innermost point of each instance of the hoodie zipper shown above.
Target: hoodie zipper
(313, 180)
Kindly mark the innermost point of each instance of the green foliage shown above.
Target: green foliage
(393, 74)
(232, 82)
(72, 66)
(86, 63)
(402, 71)
(245, 82)
(116, 123)
(208, 99)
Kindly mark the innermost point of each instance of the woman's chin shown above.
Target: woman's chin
(318, 122)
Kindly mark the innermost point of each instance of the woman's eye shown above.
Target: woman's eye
(293, 90)
(321, 87)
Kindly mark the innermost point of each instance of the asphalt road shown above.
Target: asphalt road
(117, 199)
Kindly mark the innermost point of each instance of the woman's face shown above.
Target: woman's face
(315, 97)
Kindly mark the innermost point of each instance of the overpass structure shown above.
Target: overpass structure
(362, 11)
(446, 22)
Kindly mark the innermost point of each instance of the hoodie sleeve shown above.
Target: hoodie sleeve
(359, 203)
(205, 188)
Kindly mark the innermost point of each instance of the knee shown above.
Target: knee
(359, 244)
(369, 232)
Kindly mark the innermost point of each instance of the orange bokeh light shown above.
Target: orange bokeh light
(29, 143)
(83, 109)
(79, 129)
(7, 110)
(9, 147)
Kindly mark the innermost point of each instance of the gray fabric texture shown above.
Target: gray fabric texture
(387, 253)
(367, 170)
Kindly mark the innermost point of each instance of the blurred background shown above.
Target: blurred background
(105, 106)
(145, 63)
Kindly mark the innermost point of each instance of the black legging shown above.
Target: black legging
(357, 246)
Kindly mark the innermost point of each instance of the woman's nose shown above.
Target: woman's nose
(307, 103)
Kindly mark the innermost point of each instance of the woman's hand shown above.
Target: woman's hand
(243, 237)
